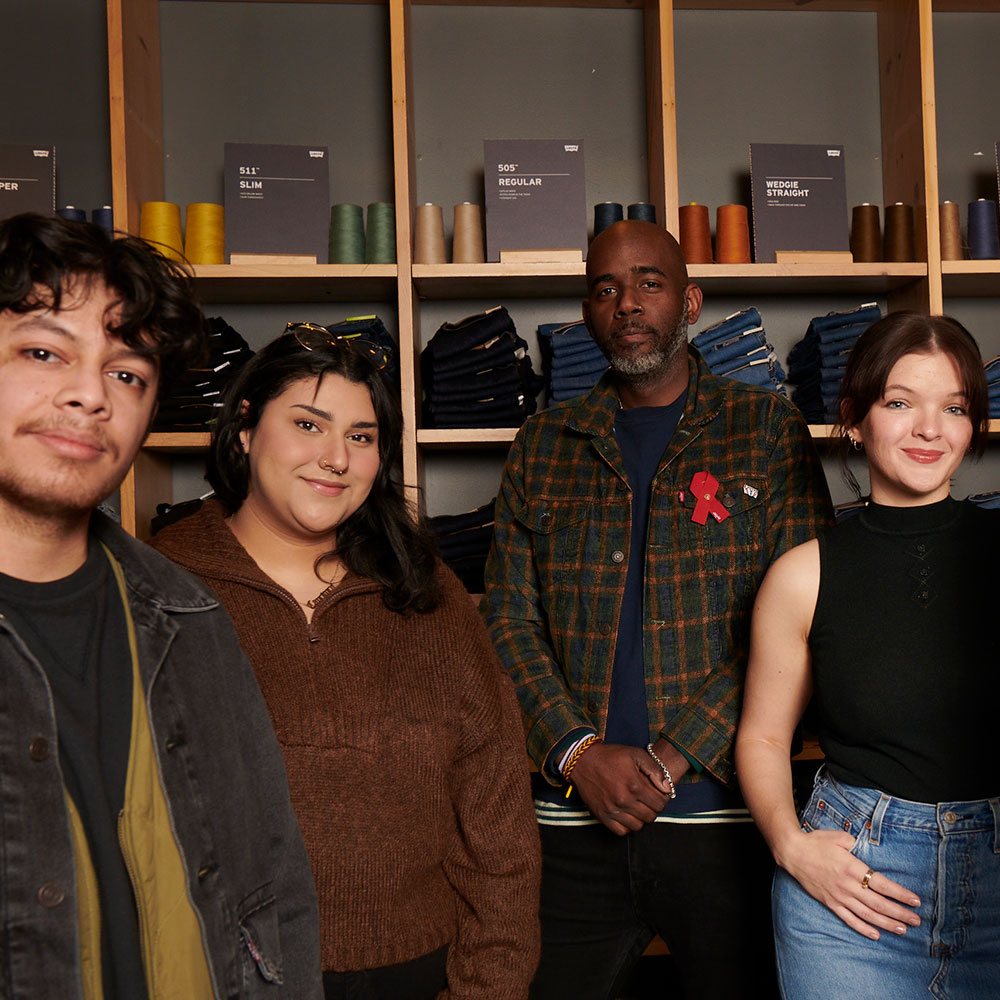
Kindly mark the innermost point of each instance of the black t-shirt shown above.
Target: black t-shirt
(76, 629)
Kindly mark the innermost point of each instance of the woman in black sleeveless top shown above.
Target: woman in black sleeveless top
(888, 885)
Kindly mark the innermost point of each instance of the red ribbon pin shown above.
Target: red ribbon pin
(704, 486)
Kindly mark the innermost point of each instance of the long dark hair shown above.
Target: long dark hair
(893, 337)
(382, 539)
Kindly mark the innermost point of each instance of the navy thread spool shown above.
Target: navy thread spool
(103, 217)
(984, 241)
(72, 213)
(607, 213)
(643, 211)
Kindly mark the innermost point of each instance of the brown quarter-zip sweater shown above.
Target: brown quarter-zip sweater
(405, 760)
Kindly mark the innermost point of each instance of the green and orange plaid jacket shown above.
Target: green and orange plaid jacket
(556, 572)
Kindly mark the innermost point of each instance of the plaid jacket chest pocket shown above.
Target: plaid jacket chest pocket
(569, 536)
(709, 572)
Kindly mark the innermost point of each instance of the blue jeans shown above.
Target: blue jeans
(948, 854)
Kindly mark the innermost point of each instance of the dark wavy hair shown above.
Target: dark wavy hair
(893, 337)
(43, 258)
(381, 540)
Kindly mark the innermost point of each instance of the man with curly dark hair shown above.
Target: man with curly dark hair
(147, 843)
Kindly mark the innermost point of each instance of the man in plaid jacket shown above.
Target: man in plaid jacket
(633, 527)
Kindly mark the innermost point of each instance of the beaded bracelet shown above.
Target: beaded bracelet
(664, 769)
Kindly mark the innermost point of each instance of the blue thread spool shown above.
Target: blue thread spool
(643, 211)
(606, 214)
(984, 241)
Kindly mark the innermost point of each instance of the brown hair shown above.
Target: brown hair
(893, 337)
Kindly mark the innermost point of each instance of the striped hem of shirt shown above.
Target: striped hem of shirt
(555, 814)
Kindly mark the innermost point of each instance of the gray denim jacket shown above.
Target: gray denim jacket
(224, 781)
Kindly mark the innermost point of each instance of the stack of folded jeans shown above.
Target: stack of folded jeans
(571, 360)
(372, 329)
(477, 373)
(816, 364)
(192, 401)
(464, 543)
(993, 387)
(737, 347)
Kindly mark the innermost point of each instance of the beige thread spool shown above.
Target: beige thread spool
(428, 235)
(467, 242)
(160, 225)
(205, 233)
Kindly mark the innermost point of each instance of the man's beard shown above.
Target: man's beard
(645, 365)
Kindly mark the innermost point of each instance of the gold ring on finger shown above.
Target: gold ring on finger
(867, 879)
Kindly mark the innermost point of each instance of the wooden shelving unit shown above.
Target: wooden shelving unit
(909, 174)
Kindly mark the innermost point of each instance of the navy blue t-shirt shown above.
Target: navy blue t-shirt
(643, 433)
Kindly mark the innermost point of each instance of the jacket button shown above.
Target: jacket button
(51, 894)
(592, 705)
(546, 518)
(38, 749)
(617, 556)
(729, 500)
(605, 629)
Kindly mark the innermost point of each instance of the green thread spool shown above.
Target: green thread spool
(347, 235)
(381, 233)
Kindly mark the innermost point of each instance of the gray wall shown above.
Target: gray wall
(315, 73)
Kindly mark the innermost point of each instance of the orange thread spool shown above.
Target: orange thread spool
(732, 235)
(696, 234)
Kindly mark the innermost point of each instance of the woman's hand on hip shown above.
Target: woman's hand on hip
(822, 863)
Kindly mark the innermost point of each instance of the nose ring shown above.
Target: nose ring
(332, 468)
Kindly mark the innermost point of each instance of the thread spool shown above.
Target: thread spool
(205, 233)
(897, 243)
(696, 234)
(643, 211)
(381, 248)
(104, 217)
(467, 241)
(72, 213)
(428, 235)
(866, 235)
(347, 234)
(983, 240)
(732, 235)
(951, 231)
(160, 225)
(607, 213)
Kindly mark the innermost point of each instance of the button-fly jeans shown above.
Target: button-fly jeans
(948, 853)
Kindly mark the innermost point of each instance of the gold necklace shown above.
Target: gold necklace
(319, 597)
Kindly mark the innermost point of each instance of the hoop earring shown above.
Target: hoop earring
(856, 444)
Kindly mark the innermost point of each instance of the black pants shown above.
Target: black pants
(419, 979)
(704, 888)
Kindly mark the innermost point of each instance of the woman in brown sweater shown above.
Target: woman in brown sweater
(401, 736)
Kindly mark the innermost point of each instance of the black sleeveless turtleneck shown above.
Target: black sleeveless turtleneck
(904, 650)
